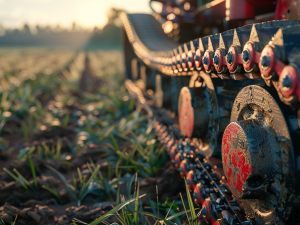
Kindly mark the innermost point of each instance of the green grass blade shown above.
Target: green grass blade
(32, 171)
(136, 206)
(114, 142)
(153, 215)
(21, 177)
(187, 216)
(191, 205)
(79, 175)
(63, 179)
(57, 195)
(113, 211)
(85, 186)
(16, 178)
(177, 215)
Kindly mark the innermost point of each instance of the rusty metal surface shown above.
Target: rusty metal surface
(258, 156)
(215, 80)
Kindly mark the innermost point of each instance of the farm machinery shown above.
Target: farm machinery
(220, 80)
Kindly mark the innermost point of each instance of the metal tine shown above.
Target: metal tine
(174, 61)
(234, 60)
(184, 56)
(284, 40)
(191, 54)
(283, 50)
(202, 47)
(178, 58)
(225, 41)
(213, 44)
(261, 34)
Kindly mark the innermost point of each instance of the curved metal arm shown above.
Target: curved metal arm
(161, 1)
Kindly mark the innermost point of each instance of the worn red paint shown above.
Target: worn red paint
(186, 113)
(234, 159)
(228, 136)
(236, 168)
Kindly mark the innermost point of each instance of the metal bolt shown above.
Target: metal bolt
(205, 60)
(229, 58)
(216, 60)
(286, 83)
(265, 62)
(246, 56)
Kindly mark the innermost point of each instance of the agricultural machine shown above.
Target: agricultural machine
(228, 72)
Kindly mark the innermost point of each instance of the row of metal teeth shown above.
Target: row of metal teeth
(205, 181)
(269, 53)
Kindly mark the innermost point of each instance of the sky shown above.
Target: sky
(86, 13)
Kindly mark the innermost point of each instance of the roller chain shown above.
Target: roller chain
(204, 176)
(259, 51)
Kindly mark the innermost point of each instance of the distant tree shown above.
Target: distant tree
(26, 29)
(113, 16)
(2, 30)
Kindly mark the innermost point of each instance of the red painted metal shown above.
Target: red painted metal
(186, 113)
(222, 60)
(236, 168)
(178, 63)
(294, 85)
(254, 56)
(184, 61)
(191, 60)
(207, 217)
(275, 65)
(236, 59)
(178, 160)
(209, 64)
(190, 179)
(198, 59)
(183, 168)
(198, 190)
(169, 145)
(238, 10)
(173, 152)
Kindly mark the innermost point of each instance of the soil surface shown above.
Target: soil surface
(36, 205)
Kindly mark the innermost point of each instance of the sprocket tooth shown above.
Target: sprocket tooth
(191, 54)
(184, 56)
(174, 60)
(202, 47)
(261, 35)
(225, 41)
(207, 60)
(280, 63)
(180, 51)
(233, 58)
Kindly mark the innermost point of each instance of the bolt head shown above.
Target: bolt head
(216, 60)
(229, 58)
(205, 60)
(286, 83)
(265, 62)
(246, 56)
